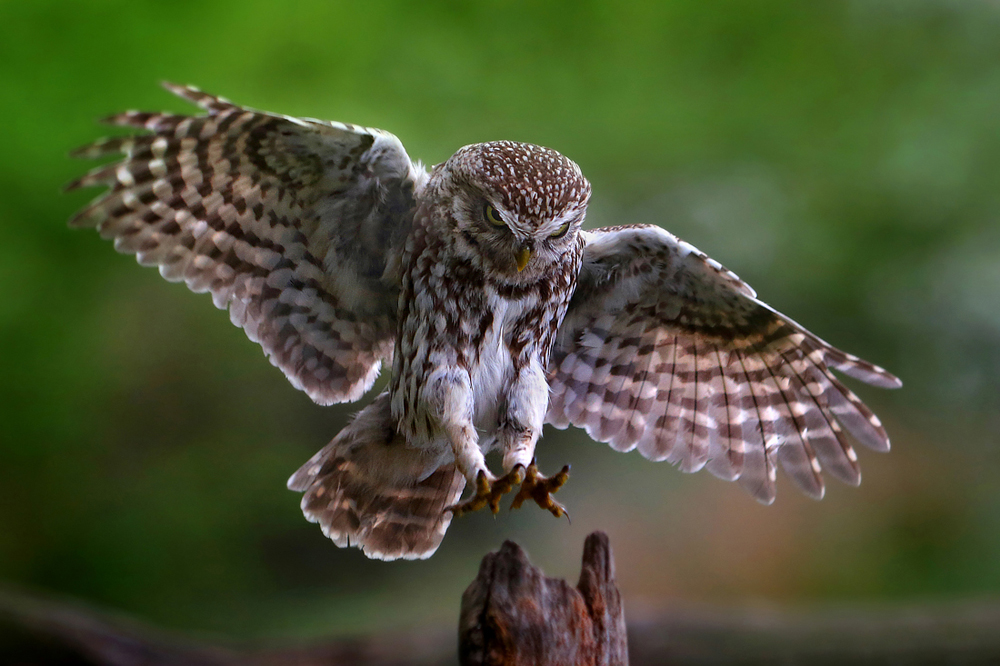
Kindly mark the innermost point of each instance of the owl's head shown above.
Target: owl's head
(516, 206)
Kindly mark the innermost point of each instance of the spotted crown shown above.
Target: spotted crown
(531, 181)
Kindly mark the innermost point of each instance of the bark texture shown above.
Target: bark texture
(513, 615)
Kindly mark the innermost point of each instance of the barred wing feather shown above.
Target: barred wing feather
(294, 225)
(664, 350)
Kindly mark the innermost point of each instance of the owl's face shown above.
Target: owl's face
(516, 206)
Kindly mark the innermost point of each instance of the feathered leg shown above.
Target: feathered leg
(447, 394)
(526, 402)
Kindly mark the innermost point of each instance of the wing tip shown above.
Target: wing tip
(129, 118)
(884, 446)
(817, 492)
(179, 89)
(184, 91)
(891, 381)
(872, 375)
(80, 220)
(860, 369)
(765, 499)
(211, 103)
(73, 185)
(90, 151)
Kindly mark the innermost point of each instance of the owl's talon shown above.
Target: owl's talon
(489, 494)
(539, 488)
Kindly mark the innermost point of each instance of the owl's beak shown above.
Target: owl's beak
(523, 257)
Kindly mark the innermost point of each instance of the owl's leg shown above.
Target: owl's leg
(521, 417)
(521, 424)
(448, 394)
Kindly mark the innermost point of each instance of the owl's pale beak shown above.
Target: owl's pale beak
(523, 257)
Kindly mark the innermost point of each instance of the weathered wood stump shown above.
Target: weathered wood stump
(513, 615)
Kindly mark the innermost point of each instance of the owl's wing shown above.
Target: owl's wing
(664, 350)
(295, 225)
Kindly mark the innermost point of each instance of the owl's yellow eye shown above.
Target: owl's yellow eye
(561, 231)
(493, 217)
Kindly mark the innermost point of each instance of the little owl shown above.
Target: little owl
(497, 311)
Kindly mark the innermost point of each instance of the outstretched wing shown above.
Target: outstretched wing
(664, 350)
(294, 224)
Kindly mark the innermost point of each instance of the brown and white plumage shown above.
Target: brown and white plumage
(337, 253)
(666, 351)
(368, 489)
(292, 224)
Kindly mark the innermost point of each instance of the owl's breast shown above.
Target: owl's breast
(493, 367)
(515, 345)
(479, 337)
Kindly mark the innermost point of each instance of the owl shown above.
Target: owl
(496, 310)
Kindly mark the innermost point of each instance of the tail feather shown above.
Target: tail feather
(368, 489)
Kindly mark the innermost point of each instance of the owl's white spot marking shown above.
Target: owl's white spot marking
(159, 146)
(125, 176)
(130, 200)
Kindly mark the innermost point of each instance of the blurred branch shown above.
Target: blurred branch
(37, 631)
(513, 614)
(961, 633)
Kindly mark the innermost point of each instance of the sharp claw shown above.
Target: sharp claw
(558, 510)
(489, 493)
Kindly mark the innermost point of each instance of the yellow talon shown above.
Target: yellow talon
(539, 488)
(489, 494)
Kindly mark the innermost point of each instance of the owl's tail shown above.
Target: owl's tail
(368, 489)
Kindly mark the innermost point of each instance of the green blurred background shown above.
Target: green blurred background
(842, 156)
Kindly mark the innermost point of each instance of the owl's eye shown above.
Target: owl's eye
(561, 231)
(493, 217)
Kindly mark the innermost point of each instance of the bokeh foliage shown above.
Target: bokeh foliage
(843, 157)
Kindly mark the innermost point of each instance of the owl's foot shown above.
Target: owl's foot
(538, 487)
(489, 493)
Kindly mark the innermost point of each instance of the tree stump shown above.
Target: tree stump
(513, 615)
